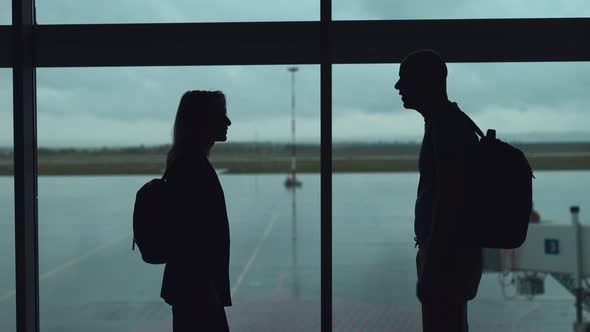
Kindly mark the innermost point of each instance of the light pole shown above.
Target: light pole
(291, 180)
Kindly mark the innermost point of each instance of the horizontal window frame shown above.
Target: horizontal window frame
(268, 43)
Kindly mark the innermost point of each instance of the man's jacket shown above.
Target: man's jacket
(448, 268)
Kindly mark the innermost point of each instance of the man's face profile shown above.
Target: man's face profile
(408, 86)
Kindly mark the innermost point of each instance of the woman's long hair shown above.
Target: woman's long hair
(195, 111)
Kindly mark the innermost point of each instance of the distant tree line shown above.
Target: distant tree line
(269, 147)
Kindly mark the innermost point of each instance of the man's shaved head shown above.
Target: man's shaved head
(422, 80)
(425, 65)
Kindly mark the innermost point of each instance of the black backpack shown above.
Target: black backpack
(151, 212)
(502, 197)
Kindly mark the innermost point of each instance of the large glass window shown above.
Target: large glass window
(105, 132)
(7, 247)
(539, 107)
(456, 9)
(138, 11)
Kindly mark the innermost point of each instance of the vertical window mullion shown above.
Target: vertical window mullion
(326, 164)
(25, 168)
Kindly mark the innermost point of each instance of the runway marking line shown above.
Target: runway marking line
(79, 259)
(246, 268)
(279, 290)
(64, 266)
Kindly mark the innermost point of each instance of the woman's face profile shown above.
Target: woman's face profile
(220, 123)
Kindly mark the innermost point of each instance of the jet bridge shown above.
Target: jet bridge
(559, 250)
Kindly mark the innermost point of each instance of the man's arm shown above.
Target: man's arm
(452, 161)
(453, 156)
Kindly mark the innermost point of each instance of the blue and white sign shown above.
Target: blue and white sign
(551, 247)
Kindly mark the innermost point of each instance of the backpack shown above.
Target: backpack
(150, 214)
(502, 195)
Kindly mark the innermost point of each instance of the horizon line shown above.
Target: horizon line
(380, 142)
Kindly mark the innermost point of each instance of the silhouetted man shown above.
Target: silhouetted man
(449, 269)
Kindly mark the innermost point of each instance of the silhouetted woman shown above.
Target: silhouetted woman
(196, 277)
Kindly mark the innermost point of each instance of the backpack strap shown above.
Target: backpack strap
(474, 125)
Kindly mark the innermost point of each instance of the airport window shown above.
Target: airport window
(115, 127)
(372, 198)
(7, 281)
(177, 11)
(538, 107)
(457, 9)
(269, 273)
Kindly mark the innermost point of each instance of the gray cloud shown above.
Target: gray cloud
(142, 11)
(253, 92)
(456, 9)
(137, 105)
(258, 98)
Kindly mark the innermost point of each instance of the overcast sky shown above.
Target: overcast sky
(130, 106)
(141, 11)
